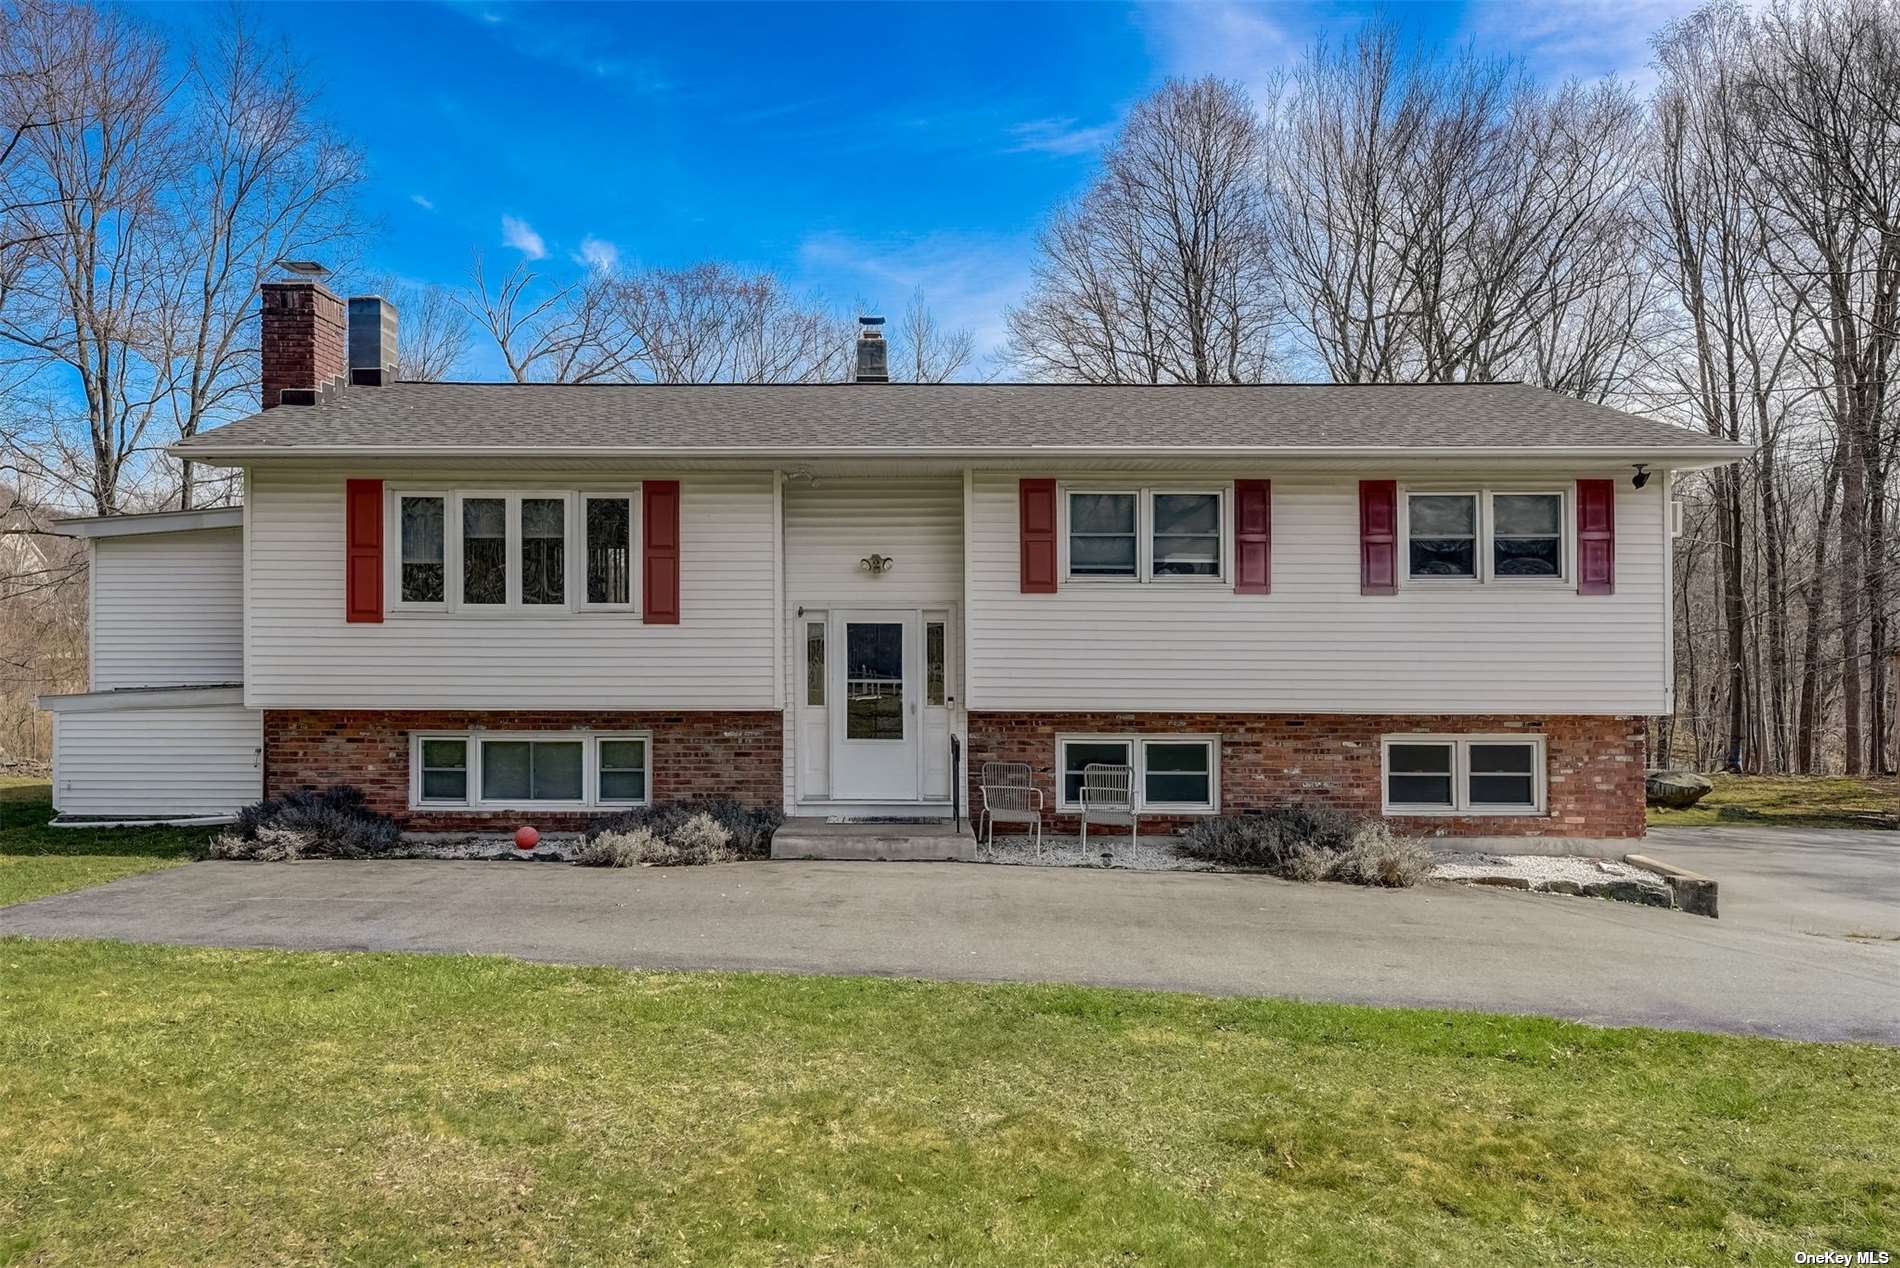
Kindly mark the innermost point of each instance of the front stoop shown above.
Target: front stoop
(874, 842)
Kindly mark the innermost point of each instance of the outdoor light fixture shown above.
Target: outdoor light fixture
(877, 565)
(1642, 475)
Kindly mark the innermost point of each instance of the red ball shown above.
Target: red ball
(526, 838)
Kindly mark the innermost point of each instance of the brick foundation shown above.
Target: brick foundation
(1595, 764)
(693, 755)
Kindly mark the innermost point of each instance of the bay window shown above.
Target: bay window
(568, 770)
(1485, 535)
(1478, 775)
(1171, 773)
(1144, 534)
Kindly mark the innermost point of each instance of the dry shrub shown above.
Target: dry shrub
(696, 840)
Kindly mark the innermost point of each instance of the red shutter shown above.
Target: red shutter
(660, 551)
(1596, 537)
(1378, 537)
(1036, 508)
(363, 551)
(1253, 536)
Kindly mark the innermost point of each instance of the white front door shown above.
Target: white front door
(875, 730)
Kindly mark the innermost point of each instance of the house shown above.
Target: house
(489, 603)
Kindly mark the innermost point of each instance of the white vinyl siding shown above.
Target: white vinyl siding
(167, 609)
(830, 528)
(304, 655)
(152, 763)
(1315, 644)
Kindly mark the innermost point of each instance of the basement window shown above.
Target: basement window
(1172, 773)
(557, 770)
(1476, 775)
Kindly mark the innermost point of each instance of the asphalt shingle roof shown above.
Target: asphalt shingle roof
(948, 417)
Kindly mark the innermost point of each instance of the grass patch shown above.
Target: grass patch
(36, 860)
(1790, 801)
(169, 1106)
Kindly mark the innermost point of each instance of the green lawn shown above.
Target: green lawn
(170, 1106)
(1792, 801)
(36, 860)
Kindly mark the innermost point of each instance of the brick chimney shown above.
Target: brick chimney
(874, 363)
(302, 343)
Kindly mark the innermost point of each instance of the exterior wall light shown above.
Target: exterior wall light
(877, 565)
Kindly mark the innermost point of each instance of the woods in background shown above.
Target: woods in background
(1723, 254)
(1722, 251)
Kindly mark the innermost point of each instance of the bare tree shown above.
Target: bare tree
(552, 334)
(1448, 220)
(925, 351)
(260, 181)
(434, 334)
(712, 324)
(1159, 273)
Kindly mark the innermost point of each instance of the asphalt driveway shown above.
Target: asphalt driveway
(1438, 946)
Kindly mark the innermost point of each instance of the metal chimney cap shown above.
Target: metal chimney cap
(308, 268)
(870, 321)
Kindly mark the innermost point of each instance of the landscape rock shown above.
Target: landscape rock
(1502, 882)
(1675, 790)
(1560, 887)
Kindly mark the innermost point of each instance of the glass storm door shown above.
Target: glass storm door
(874, 724)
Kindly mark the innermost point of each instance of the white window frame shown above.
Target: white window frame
(574, 527)
(1138, 752)
(394, 536)
(1485, 563)
(1461, 776)
(632, 498)
(473, 801)
(1144, 495)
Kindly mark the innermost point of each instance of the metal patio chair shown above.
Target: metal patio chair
(1009, 794)
(1108, 796)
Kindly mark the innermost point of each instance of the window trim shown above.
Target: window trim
(1144, 494)
(632, 499)
(574, 528)
(1461, 776)
(450, 534)
(1138, 742)
(475, 738)
(1485, 561)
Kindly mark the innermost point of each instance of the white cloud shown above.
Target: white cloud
(1562, 39)
(423, 201)
(520, 235)
(1231, 41)
(598, 254)
(1059, 136)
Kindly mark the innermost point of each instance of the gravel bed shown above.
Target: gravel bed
(555, 847)
(1150, 854)
(1537, 869)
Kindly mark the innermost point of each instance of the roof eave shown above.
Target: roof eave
(1675, 457)
(89, 526)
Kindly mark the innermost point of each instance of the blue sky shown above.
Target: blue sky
(856, 150)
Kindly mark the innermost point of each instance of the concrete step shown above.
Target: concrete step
(873, 842)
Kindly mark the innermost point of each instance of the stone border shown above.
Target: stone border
(1694, 893)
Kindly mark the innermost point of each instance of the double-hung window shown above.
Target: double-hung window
(483, 550)
(1171, 773)
(1485, 535)
(1145, 534)
(1478, 775)
(570, 770)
